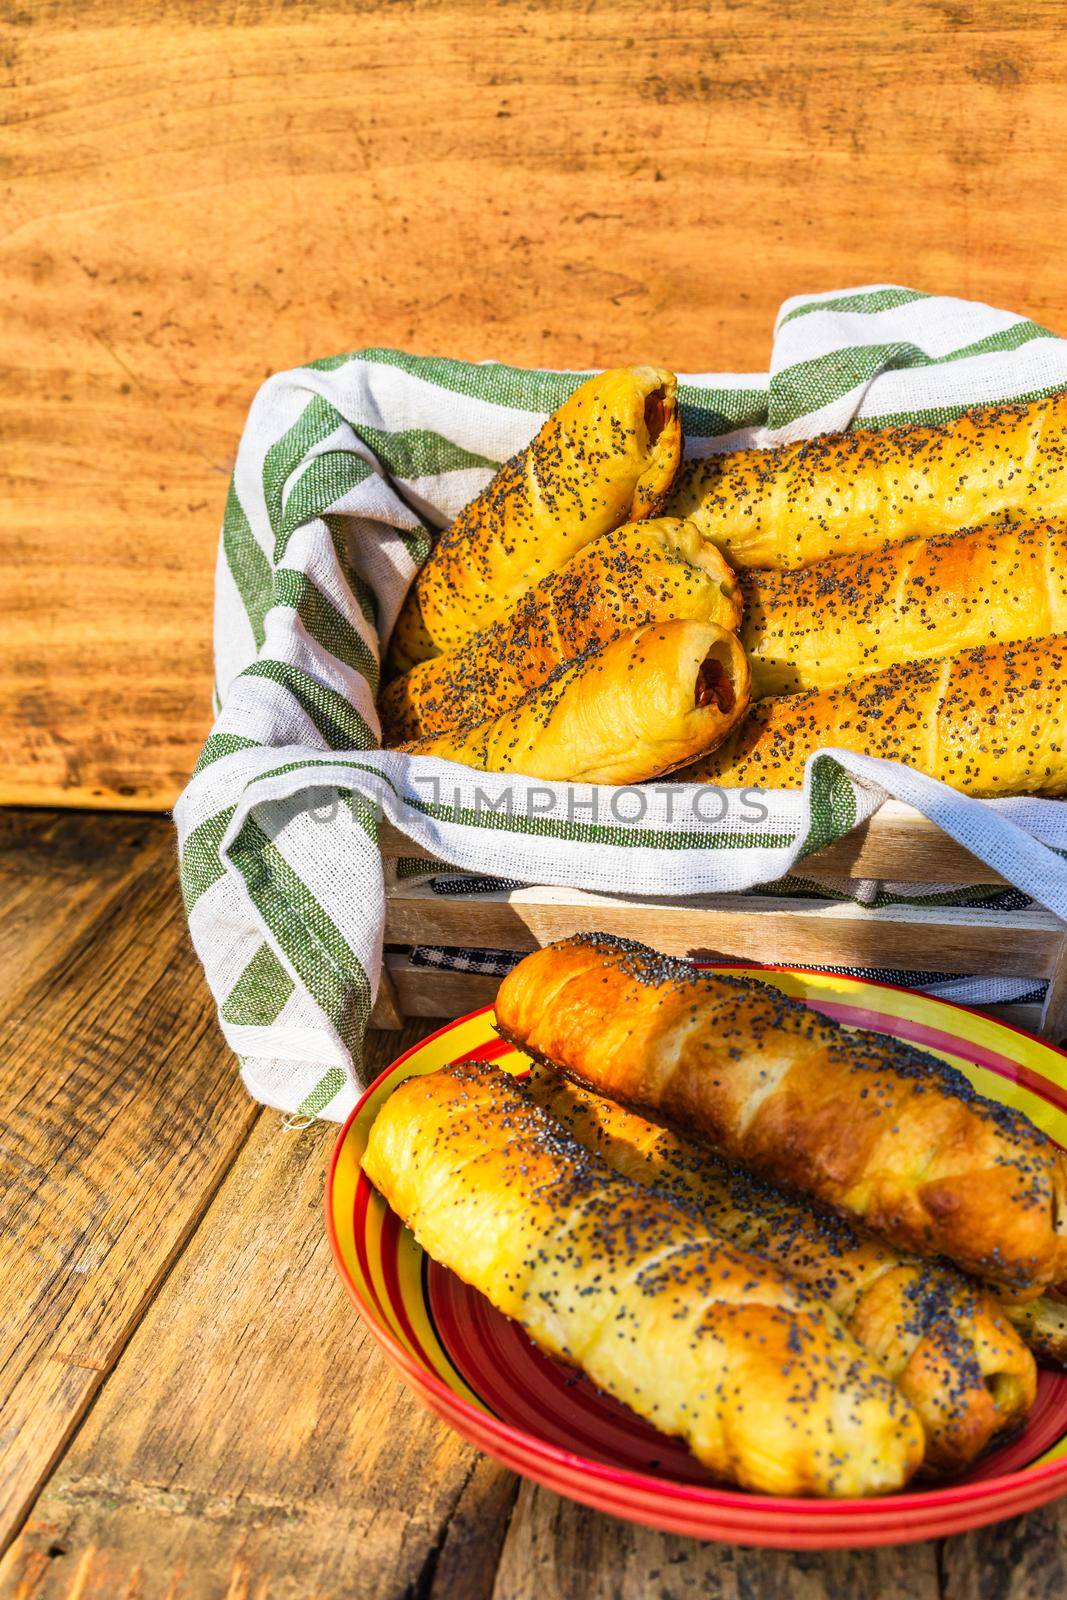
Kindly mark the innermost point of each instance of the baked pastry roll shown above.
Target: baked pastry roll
(945, 1342)
(855, 615)
(643, 572)
(1043, 1324)
(644, 704)
(842, 493)
(988, 721)
(607, 456)
(701, 1339)
(883, 1132)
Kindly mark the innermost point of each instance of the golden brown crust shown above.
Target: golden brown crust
(643, 572)
(1043, 1324)
(869, 1125)
(703, 1340)
(843, 493)
(855, 615)
(945, 1342)
(643, 705)
(607, 456)
(988, 721)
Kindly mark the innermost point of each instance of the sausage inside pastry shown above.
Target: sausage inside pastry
(644, 704)
(644, 572)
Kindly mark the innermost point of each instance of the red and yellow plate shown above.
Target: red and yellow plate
(478, 1370)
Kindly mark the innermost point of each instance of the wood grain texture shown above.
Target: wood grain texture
(1054, 1010)
(253, 1441)
(1024, 1559)
(737, 927)
(56, 871)
(120, 1115)
(556, 1550)
(196, 194)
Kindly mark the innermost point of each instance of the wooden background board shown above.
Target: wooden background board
(196, 193)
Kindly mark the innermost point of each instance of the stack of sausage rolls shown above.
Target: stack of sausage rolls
(815, 1254)
(604, 612)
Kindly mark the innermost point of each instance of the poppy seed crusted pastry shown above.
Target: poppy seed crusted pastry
(642, 705)
(989, 722)
(643, 572)
(701, 1339)
(607, 456)
(846, 618)
(883, 1132)
(843, 493)
(943, 1340)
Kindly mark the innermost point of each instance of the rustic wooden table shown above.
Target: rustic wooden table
(190, 1409)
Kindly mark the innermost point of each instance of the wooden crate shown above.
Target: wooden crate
(897, 843)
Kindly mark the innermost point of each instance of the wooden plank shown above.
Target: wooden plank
(1026, 1016)
(738, 927)
(435, 992)
(556, 1550)
(898, 842)
(555, 184)
(470, 1553)
(121, 1111)
(1024, 1559)
(56, 870)
(387, 1012)
(1054, 1010)
(252, 1441)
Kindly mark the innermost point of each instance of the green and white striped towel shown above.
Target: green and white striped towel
(345, 469)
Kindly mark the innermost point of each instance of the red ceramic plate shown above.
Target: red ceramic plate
(478, 1371)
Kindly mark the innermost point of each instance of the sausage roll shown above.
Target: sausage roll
(643, 572)
(988, 721)
(943, 1341)
(855, 615)
(644, 704)
(701, 1339)
(842, 493)
(607, 456)
(873, 1127)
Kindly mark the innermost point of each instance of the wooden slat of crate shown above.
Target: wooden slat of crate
(898, 842)
(435, 991)
(743, 927)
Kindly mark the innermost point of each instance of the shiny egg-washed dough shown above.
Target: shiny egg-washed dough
(607, 456)
(640, 573)
(877, 1129)
(699, 1338)
(942, 1339)
(843, 493)
(846, 618)
(989, 721)
(629, 711)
